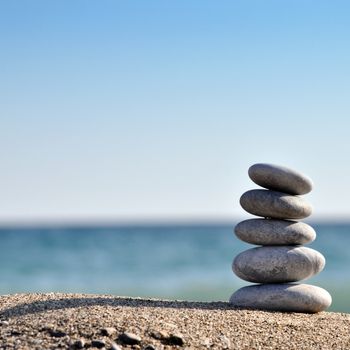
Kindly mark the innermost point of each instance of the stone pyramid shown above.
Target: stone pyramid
(281, 258)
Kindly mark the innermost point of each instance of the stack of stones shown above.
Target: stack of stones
(282, 258)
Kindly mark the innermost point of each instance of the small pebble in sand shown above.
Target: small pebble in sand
(108, 331)
(129, 338)
(97, 343)
(166, 338)
(15, 332)
(149, 347)
(226, 343)
(160, 335)
(175, 339)
(206, 342)
(57, 333)
(79, 344)
(47, 327)
(115, 346)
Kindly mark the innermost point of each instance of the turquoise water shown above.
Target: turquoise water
(174, 262)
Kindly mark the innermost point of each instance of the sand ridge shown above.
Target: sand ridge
(71, 321)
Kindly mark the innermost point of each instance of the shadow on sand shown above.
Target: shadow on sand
(76, 302)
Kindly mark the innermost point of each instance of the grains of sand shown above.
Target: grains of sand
(70, 321)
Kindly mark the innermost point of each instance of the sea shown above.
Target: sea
(183, 262)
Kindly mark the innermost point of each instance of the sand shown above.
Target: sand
(70, 321)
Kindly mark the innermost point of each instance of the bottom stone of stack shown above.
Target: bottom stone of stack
(290, 297)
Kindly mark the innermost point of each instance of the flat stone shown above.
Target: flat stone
(278, 264)
(280, 178)
(282, 297)
(274, 232)
(273, 204)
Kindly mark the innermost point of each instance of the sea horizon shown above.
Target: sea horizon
(153, 222)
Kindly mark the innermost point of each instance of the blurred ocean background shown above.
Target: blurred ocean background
(190, 262)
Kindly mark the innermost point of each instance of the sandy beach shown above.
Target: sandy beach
(73, 321)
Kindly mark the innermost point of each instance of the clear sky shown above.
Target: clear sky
(134, 109)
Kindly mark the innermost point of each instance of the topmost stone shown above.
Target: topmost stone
(279, 178)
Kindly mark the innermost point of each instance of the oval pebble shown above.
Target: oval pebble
(274, 232)
(278, 264)
(273, 204)
(282, 297)
(280, 178)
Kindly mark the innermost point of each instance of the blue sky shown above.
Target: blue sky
(134, 110)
